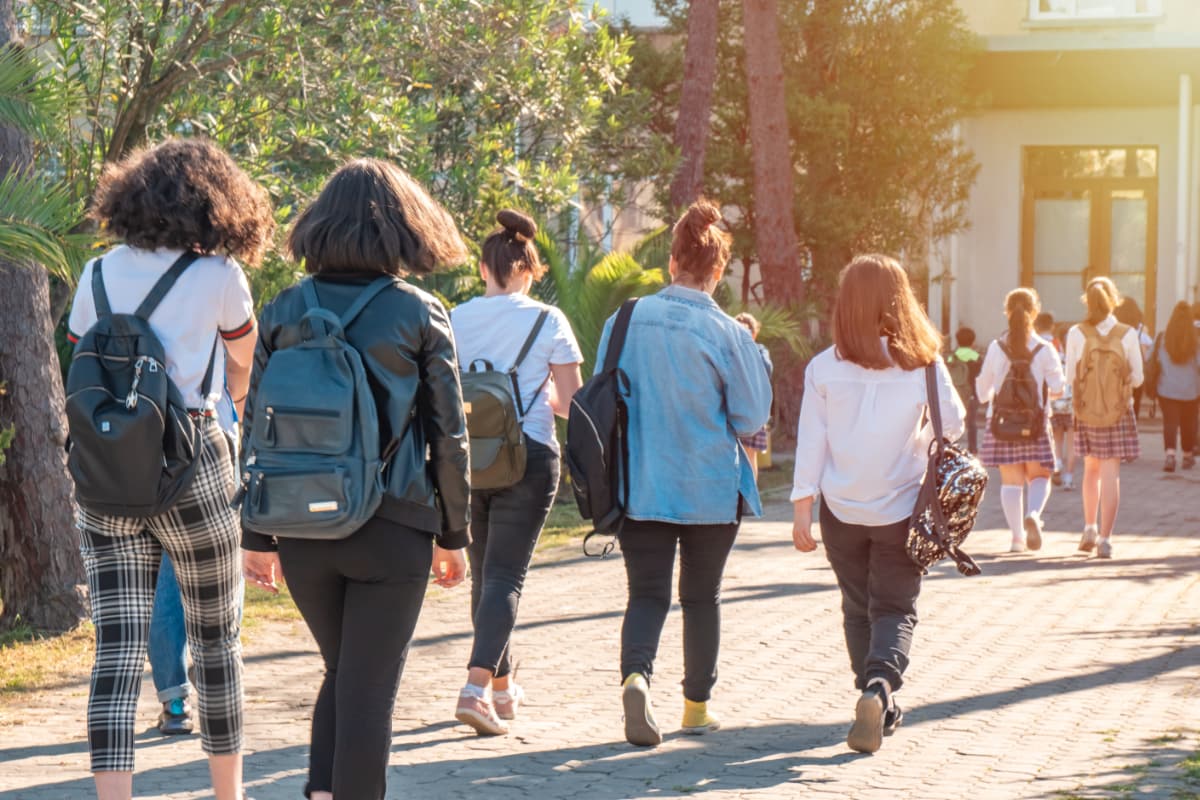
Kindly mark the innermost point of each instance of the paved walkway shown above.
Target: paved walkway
(1051, 676)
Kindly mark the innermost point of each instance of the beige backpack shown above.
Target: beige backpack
(1103, 383)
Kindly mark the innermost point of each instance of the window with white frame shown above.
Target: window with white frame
(1093, 9)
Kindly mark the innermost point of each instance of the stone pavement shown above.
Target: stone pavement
(1051, 676)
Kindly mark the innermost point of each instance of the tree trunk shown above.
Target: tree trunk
(774, 192)
(774, 186)
(41, 573)
(695, 102)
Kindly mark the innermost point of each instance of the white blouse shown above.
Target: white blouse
(863, 438)
(1046, 368)
(1130, 343)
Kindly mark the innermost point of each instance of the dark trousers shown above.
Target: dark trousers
(879, 595)
(1179, 420)
(360, 597)
(505, 526)
(972, 424)
(649, 552)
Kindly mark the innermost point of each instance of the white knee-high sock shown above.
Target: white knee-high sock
(1014, 512)
(1039, 493)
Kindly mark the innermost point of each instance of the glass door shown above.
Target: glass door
(1062, 225)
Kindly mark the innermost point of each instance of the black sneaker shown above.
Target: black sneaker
(175, 719)
(892, 719)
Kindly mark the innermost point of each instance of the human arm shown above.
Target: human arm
(252, 540)
(445, 426)
(954, 416)
(1132, 344)
(991, 373)
(238, 329)
(239, 362)
(747, 386)
(449, 567)
(565, 380)
(812, 439)
(1051, 372)
(802, 538)
(1075, 341)
(262, 569)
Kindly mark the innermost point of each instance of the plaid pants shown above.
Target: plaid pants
(202, 535)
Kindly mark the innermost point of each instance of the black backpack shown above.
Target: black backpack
(494, 408)
(133, 446)
(1019, 410)
(598, 440)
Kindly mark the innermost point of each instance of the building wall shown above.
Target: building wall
(989, 253)
(1010, 17)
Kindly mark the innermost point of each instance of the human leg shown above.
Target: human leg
(648, 549)
(894, 582)
(1188, 423)
(202, 535)
(1172, 412)
(1110, 496)
(121, 561)
(848, 549)
(1012, 501)
(168, 637)
(703, 551)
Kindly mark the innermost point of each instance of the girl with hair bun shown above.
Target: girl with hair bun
(1104, 366)
(697, 383)
(506, 523)
(1028, 461)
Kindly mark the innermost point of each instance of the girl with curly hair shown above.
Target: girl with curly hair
(183, 204)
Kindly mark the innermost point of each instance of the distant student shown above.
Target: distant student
(964, 365)
(1128, 312)
(510, 330)
(1104, 365)
(1179, 386)
(1025, 457)
(862, 444)
(1060, 407)
(758, 443)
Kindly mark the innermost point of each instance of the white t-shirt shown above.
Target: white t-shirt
(210, 297)
(494, 329)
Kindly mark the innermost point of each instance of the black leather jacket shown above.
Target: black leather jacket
(407, 347)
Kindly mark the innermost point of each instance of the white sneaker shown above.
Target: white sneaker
(1088, 542)
(1018, 546)
(1068, 481)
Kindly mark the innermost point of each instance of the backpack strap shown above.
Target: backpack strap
(522, 409)
(207, 383)
(929, 489)
(99, 296)
(164, 284)
(616, 342)
(366, 296)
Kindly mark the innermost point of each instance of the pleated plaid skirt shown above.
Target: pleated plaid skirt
(994, 452)
(1113, 441)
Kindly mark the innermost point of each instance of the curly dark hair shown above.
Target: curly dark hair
(185, 194)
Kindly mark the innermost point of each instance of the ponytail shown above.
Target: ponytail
(1022, 307)
(1101, 298)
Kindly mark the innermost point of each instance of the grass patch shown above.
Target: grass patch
(564, 525)
(1191, 768)
(262, 606)
(29, 662)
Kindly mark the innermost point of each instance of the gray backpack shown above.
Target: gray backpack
(494, 409)
(314, 466)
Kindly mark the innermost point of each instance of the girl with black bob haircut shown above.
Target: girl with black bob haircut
(361, 595)
(506, 522)
(184, 198)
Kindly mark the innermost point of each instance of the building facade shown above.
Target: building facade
(1089, 149)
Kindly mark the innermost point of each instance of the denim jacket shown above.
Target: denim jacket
(698, 382)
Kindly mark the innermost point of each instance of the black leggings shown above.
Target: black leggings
(360, 597)
(649, 552)
(1179, 419)
(505, 526)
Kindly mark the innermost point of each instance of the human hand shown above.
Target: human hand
(262, 569)
(802, 536)
(449, 567)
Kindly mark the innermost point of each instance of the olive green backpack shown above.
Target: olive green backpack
(494, 409)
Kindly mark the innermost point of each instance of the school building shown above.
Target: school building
(1089, 151)
(1088, 142)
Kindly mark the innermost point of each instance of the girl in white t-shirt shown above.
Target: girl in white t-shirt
(506, 523)
(1028, 462)
(183, 196)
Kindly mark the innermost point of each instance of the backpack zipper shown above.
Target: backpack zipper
(162, 418)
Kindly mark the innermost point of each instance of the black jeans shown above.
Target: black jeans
(649, 552)
(505, 526)
(879, 595)
(1179, 419)
(360, 597)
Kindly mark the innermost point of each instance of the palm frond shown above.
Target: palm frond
(36, 222)
(781, 327)
(28, 98)
(653, 251)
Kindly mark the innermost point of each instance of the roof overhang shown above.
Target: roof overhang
(1085, 69)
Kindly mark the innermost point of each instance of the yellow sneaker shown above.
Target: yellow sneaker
(696, 719)
(640, 727)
